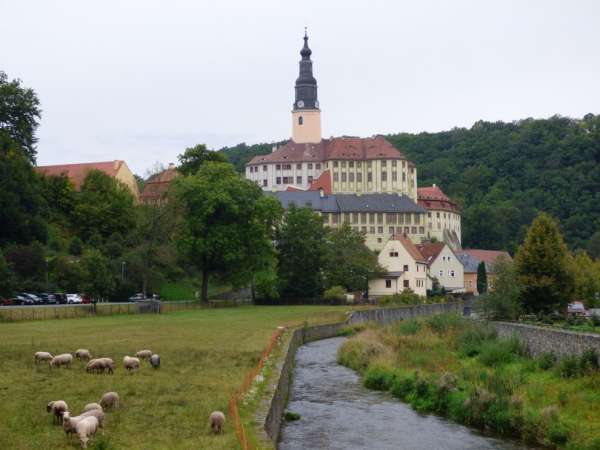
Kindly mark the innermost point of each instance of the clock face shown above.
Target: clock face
(300, 104)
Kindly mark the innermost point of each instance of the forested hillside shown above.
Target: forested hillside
(503, 174)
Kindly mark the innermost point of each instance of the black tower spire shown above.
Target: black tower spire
(306, 85)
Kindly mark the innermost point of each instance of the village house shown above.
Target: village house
(116, 169)
(471, 258)
(157, 186)
(443, 265)
(406, 269)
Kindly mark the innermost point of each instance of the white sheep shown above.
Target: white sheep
(109, 400)
(107, 364)
(144, 354)
(85, 426)
(131, 364)
(155, 361)
(70, 423)
(100, 365)
(58, 408)
(91, 406)
(83, 354)
(62, 360)
(217, 421)
(42, 356)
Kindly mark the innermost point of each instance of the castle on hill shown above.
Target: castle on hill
(365, 182)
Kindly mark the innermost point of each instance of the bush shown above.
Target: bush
(595, 320)
(406, 297)
(356, 354)
(335, 294)
(290, 416)
(497, 353)
(378, 378)
(440, 324)
(589, 360)
(402, 386)
(569, 367)
(470, 340)
(409, 327)
(546, 361)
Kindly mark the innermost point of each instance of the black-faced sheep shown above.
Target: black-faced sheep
(42, 356)
(217, 421)
(109, 400)
(58, 408)
(62, 360)
(83, 354)
(131, 364)
(155, 361)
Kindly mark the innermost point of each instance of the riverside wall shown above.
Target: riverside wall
(540, 340)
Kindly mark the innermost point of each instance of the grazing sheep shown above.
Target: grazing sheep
(217, 421)
(131, 364)
(62, 360)
(83, 354)
(58, 408)
(70, 423)
(144, 354)
(84, 425)
(91, 406)
(109, 400)
(42, 356)
(100, 365)
(155, 361)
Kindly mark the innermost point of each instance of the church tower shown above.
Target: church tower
(306, 115)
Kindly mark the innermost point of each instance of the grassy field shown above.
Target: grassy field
(205, 355)
(459, 369)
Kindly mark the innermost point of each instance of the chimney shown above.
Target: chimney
(274, 149)
(321, 192)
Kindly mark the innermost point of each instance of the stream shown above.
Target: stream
(337, 412)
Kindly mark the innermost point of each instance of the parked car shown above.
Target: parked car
(22, 299)
(49, 299)
(6, 301)
(36, 300)
(74, 298)
(60, 298)
(86, 299)
(137, 297)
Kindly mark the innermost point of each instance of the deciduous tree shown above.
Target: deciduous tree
(194, 157)
(543, 266)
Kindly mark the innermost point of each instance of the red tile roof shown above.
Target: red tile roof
(322, 182)
(78, 172)
(430, 250)
(432, 197)
(294, 189)
(157, 185)
(410, 247)
(352, 148)
(489, 257)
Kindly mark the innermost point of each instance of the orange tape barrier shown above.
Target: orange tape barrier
(243, 390)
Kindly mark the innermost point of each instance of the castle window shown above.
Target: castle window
(406, 230)
(359, 177)
(403, 176)
(278, 167)
(264, 168)
(298, 180)
(380, 218)
(343, 177)
(421, 230)
(351, 177)
(336, 177)
(405, 268)
(363, 230)
(278, 180)
(265, 183)
(369, 177)
(379, 240)
(391, 230)
(372, 230)
(379, 230)
(369, 164)
(363, 217)
(394, 163)
(394, 176)
(343, 163)
(300, 120)
(310, 178)
(309, 166)
(351, 164)
(371, 218)
(388, 284)
(383, 176)
(318, 166)
(413, 230)
(299, 166)
(335, 164)
(358, 164)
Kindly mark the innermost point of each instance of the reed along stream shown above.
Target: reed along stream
(338, 412)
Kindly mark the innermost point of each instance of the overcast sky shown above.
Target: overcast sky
(142, 80)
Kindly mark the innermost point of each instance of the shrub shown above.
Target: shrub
(440, 324)
(406, 297)
(569, 367)
(378, 378)
(402, 386)
(595, 320)
(470, 340)
(497, 353)
(409, 327)
(335, 294)
(589, 360)
(290, 416)
(351, 330)
(546, 361)
(356, 353)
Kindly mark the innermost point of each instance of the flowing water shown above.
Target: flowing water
(337, 412)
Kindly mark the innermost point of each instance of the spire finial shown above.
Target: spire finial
(305, 32)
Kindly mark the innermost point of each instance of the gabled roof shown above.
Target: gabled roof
(157, 185)
(77, 172)
(349, 148)
(431, 250)
(411, 248)
(489, 257)
(469, 263)
(322, 182)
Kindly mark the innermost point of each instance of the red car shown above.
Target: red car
(86, 298)
(6, 301)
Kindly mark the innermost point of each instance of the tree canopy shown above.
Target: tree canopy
(194, 157)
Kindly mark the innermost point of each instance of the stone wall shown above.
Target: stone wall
(540, 340)
(386, 316)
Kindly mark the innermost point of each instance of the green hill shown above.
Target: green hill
(503, 174)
